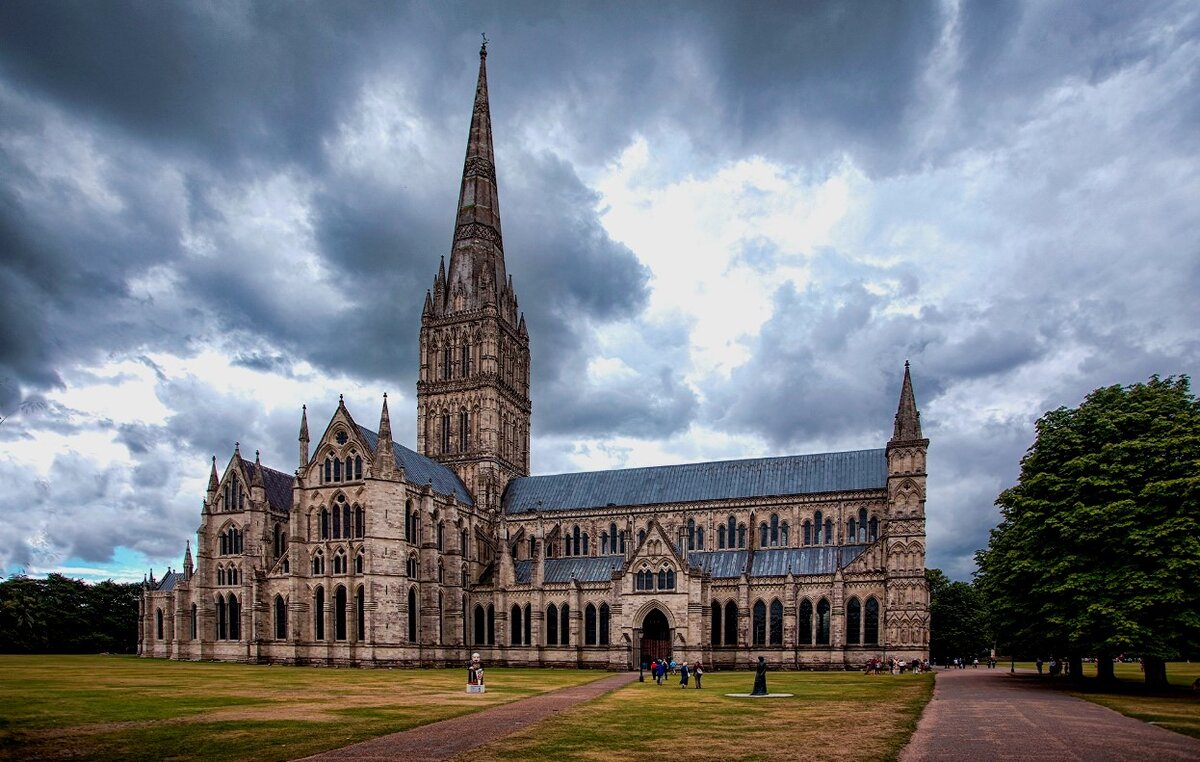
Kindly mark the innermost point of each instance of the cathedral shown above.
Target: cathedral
(374, 554)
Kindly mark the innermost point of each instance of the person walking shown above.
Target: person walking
(683, 675)
(699, 672)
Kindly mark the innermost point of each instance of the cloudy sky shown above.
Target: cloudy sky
(729, 225)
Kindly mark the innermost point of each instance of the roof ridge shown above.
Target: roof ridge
(776, 458)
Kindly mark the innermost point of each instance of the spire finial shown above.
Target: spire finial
(483, 47)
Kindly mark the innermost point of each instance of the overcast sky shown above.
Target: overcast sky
(729, 225)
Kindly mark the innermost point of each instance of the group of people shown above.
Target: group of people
(973, 662)
(1057, 666)
(875, 666)
(660, 668)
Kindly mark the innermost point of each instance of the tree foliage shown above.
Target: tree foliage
(957, 620)
(1098, 550)
(64, 615)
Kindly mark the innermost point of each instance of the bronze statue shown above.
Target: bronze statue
(760, 678)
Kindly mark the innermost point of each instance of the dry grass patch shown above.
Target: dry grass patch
(871, 717)
(59, 707)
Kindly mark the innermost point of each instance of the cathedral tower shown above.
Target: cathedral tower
(473, 405)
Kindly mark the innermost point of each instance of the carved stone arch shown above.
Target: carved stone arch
(647, 607)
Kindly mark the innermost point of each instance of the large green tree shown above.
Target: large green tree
(957, 620)
(1098, 551)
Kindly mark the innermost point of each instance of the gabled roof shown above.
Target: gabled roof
(278, 487)
(698, 482)
(582, 568)
(776, 562)
(169, 580)
(421, 470)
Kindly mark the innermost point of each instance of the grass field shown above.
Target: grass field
(109, 707)
(106, 707)
(832, 716)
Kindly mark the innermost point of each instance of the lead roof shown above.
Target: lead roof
(699, 482)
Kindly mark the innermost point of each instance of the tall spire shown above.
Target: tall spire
(908, 419)
(476, 276)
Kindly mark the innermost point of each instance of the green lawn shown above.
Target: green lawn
(108, 707)
(58, 707)
(833, 715)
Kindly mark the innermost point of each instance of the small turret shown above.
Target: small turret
(385, 458)
(188, 567)
(303, 436)
(213, 482)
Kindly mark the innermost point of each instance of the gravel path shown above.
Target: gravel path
(445, 739)
(982, 714)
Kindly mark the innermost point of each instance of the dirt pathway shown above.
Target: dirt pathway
(445, 739)
(982, 714)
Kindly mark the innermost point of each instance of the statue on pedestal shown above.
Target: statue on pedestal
(760, 678)
(475, 675)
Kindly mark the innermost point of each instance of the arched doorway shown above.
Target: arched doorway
(656, 637)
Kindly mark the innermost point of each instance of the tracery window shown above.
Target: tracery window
(318, 563)
(339, 562)
(413, 566)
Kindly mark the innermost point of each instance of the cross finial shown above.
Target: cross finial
(483, 48)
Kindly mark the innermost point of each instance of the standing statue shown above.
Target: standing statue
(475, 675)
(760, 678)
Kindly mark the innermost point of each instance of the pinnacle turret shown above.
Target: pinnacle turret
(303, 436)
(908, 418)
(213, 482)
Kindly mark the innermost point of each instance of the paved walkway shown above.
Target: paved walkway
(982, 714)
(445, 739)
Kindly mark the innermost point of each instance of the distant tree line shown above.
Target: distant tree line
(958, 623)
(63, 615)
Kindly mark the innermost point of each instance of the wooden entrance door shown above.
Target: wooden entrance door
(656, 637)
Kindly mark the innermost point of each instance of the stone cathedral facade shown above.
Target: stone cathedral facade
(374, 554)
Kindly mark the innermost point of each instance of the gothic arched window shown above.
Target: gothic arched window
(819, 538)
(853, 621)
(776, 623)
(760, 624)
(360, 611)
(871, 623)
(807, 530)
(804, 627)
(823, 622)
(280, 618)
(589, 625)
(235, 618)
(731, 633)
(319, 614)
(412, 615)
(515, 624)
(551, 625)
(721, 537)
(565, 633)
(480, 622)
(716, 624)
